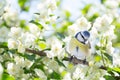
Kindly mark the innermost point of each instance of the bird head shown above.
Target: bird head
(82, 36)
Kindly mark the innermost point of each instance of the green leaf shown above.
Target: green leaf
(22, 4)
(97, 47)
(3, 45)
(93, 17)
(23, 24)
(86, 9)
(116, 45)
(7, 77)
(38, 64)
(40, 26)
(37, 13)
(51, 15)
(59, 62)
(54, 75)
(107, 77)
(60, 35)
(58, 2)
(116, 69)
(30, 57)
(102, 1)
(67, 13)
(109, 57)
(64, 27)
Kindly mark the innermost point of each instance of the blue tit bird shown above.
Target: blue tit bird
(79, 45)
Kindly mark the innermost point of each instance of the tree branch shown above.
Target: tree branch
(72, 59)
(40, 53)
(75, 61)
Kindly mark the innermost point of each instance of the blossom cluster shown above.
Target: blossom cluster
(44, 31)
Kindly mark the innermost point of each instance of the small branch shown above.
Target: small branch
(75, 61)
(40, 53)
(103, 67)
(72, 59)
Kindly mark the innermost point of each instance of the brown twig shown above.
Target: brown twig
(72, 59)
(103, 67)
(75, 61)
(40, 53)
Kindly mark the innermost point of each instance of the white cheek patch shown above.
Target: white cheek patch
(79, 37)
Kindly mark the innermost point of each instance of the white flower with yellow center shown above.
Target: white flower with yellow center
(102, 24)
(21, 62)
(34, 29)
(46, 8)
(27, 39)
(81, 24)
(12, 44)
(14, 69)
(56, 47)
(15, 32)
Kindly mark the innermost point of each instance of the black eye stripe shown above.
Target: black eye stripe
(82, 36)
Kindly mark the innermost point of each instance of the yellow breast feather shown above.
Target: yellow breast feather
(84, 48)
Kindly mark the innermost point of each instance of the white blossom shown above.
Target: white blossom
(81, 24)
(34, 29)
(27, 39)
(111, 3)
(12, 44)
(73, 29)
(21, 47)
(46, 8)
(15, 32)
(41, 74)
(30, 35)
(3, 34)
(56, 47)
(110, 49)
(14, 69)
(102, 24)
(93, 39)
(78, 74)
(21, 62)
